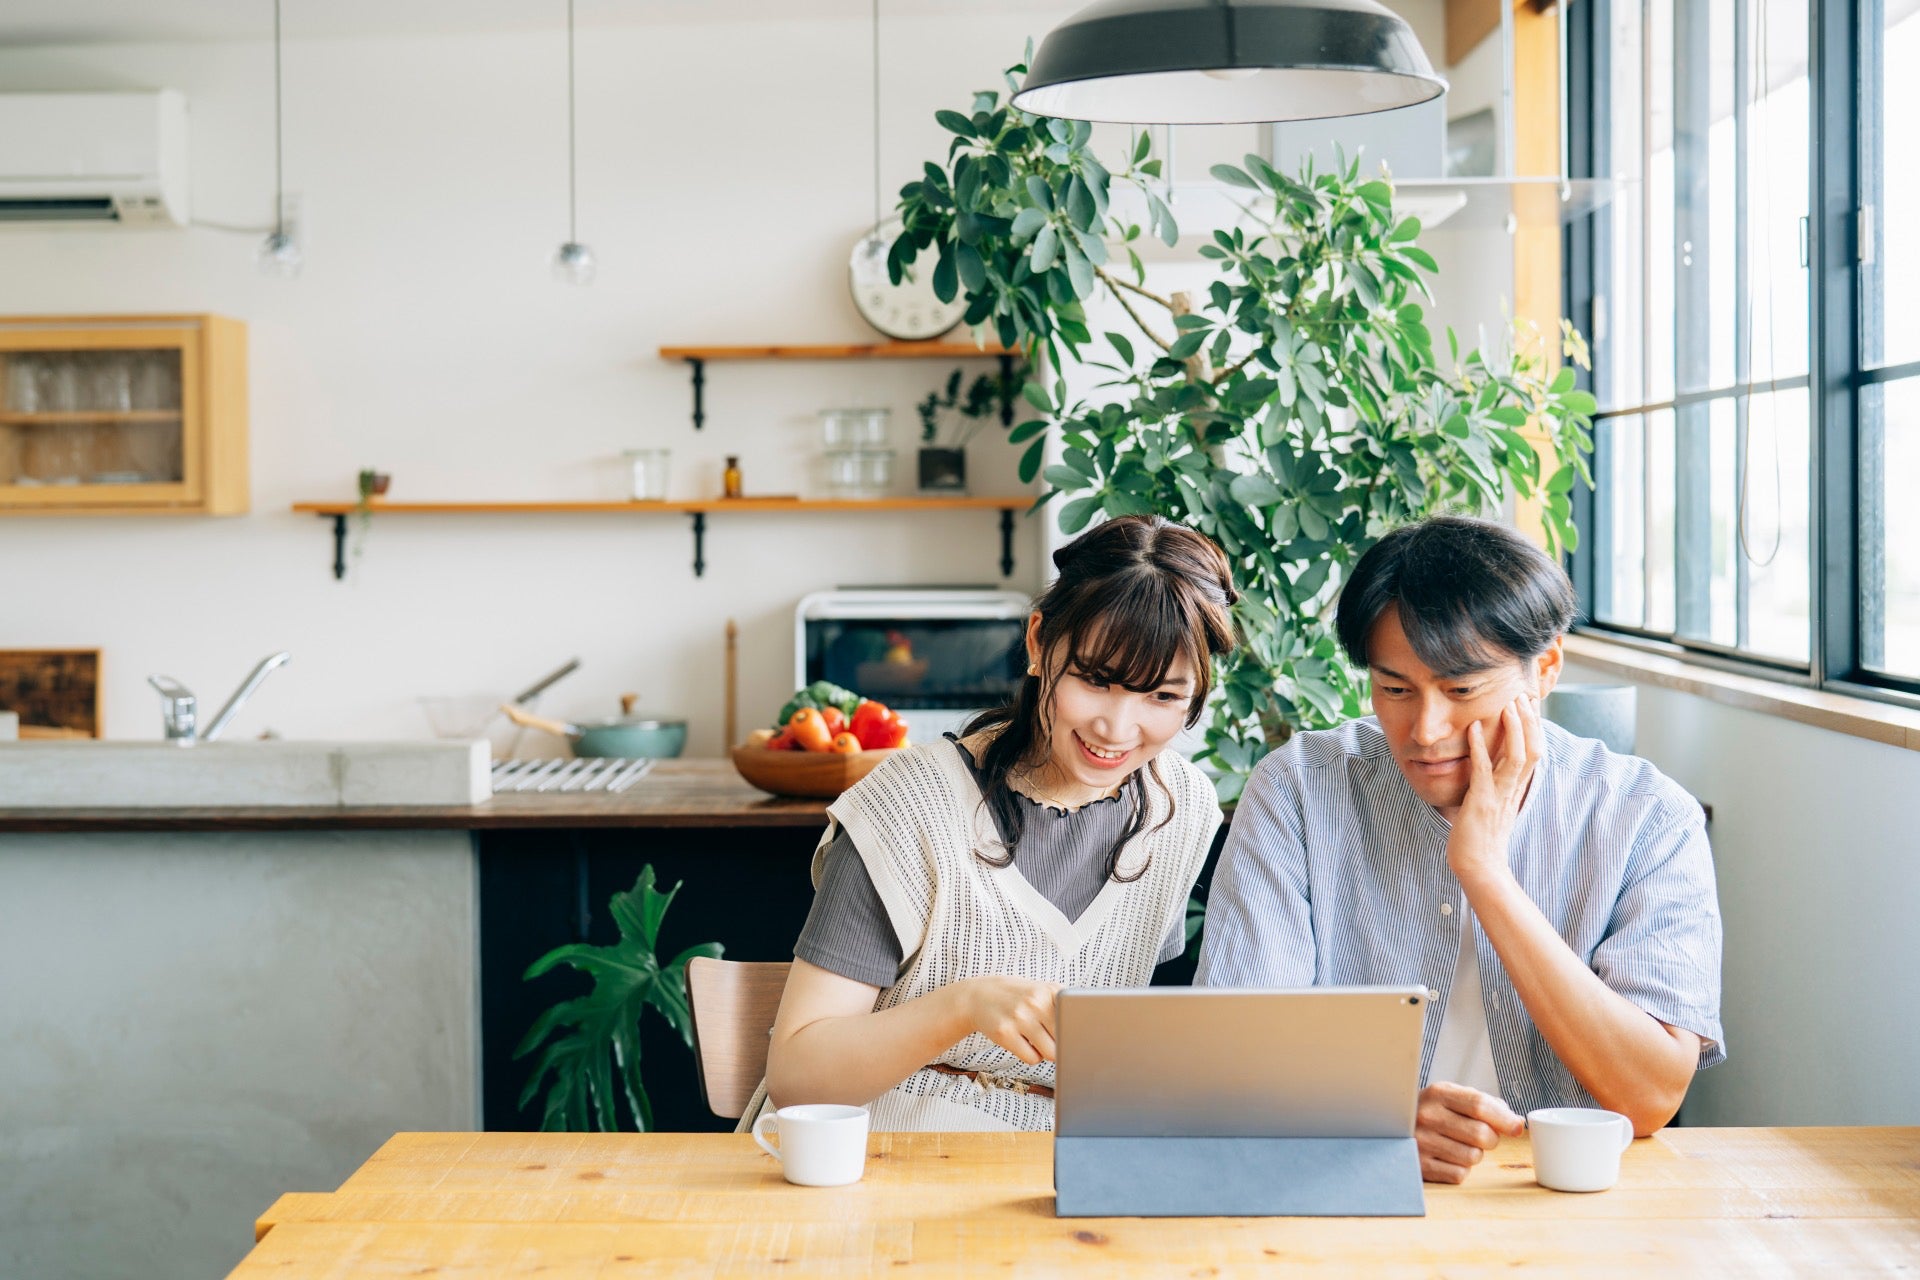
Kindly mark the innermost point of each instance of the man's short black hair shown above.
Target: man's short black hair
(1471, 594)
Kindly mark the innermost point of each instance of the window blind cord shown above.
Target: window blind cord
(1745, 508)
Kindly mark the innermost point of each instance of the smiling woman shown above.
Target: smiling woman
(964, 882)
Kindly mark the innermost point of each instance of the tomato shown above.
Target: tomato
(809, 730)
(844, 744)
(836, 720)
(781, 741)
(871, 721)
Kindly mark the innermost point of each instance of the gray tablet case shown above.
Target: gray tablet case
(1208, 1102)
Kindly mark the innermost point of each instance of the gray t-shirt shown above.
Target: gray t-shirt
(1062, 854)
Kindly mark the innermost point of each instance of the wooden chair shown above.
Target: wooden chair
(733, 1006)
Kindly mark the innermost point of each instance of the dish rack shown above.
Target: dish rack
(603, 773)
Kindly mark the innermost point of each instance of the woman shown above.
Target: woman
(964, 882)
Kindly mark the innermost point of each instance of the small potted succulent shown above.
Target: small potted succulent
(370, 484)
(943, 467)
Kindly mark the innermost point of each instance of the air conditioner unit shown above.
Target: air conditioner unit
(99, 158)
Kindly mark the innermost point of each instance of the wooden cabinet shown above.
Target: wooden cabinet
(123, 415)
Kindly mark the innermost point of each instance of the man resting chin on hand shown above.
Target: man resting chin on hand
(1556, 900)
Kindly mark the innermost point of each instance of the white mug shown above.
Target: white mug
(821, 1144)
(1578, 1148)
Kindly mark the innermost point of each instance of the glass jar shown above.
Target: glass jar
(649, 473)
(854, 428)
(859, 473)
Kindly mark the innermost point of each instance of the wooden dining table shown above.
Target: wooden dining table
(1737, 1202)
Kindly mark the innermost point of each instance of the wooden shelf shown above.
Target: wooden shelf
(697, 357)
(338, 512)
(935, 349)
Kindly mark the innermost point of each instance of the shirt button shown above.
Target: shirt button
(1446, 908)
(1433, 993)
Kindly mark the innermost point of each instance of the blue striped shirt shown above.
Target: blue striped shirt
(1334, 873)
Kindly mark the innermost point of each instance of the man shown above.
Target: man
(1557, 900)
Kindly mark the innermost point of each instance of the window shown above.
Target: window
(1759, 397)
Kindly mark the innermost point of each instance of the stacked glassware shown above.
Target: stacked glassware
(859, 465)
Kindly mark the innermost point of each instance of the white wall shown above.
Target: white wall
(1819, 873)
(724, 173)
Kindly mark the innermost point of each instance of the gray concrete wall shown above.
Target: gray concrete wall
(1818, 862)
(191, 1025)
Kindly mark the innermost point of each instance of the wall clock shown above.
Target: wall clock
(908, 311)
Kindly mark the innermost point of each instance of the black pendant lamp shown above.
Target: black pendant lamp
(1227, 62)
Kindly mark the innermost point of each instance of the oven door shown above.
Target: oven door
(938, 657)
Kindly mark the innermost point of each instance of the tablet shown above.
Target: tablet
(1178, 1101)
(1324, 1062)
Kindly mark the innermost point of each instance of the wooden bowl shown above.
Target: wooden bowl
(820, 774)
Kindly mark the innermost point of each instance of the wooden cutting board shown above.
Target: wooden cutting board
(55, 691)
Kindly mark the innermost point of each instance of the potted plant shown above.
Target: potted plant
(592, 1042)
(368, 485)
(1295, 410)
(943, 467)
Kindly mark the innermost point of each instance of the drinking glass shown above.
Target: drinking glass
(650, 469)
(23, 383)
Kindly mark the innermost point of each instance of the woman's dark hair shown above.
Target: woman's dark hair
(1471, 595)
(1134, 596)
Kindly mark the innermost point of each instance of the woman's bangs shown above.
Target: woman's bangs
(1134, 642)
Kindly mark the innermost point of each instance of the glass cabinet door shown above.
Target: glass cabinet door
(92, 417)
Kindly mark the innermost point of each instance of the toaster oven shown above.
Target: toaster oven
(936, 655)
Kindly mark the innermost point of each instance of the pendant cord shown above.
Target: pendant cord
(876, 119)
(573, 235)
(279, 134)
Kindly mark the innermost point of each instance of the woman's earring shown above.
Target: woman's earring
(1033, 669)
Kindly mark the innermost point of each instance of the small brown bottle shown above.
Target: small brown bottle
(730, 479)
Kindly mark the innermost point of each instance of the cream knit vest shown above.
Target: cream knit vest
(917, 821)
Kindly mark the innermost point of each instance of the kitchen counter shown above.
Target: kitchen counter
(674, 794)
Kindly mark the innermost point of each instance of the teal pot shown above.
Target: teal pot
(630, 736)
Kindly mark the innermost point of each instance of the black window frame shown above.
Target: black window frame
(1843, 59)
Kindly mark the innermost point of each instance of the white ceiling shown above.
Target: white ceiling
(59, 22)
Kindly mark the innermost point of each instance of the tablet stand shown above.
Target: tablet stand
(1166, 1177)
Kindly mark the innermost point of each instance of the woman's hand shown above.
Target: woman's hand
(1014, 1013)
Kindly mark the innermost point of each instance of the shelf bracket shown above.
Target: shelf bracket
(699, 544)
(1006, 543)
(699, 392)
(1006, 395)
(339, 547)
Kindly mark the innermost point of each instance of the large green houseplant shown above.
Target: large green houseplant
(1295, 411)
(590, 1063)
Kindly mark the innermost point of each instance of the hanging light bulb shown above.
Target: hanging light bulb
(573, 262)
(279, 253)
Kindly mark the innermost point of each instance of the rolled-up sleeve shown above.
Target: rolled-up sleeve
(1662, 948)
(1259, 927)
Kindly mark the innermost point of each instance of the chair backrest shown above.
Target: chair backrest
(733, 1006)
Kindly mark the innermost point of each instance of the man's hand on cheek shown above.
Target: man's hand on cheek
(1497, 785)
(1456, 1126)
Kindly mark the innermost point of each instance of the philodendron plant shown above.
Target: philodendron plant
(1294, 411)
(590, 1062)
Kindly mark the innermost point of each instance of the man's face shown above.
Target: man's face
(1425, 716)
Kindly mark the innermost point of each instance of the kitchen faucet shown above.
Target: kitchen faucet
(179, 709)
